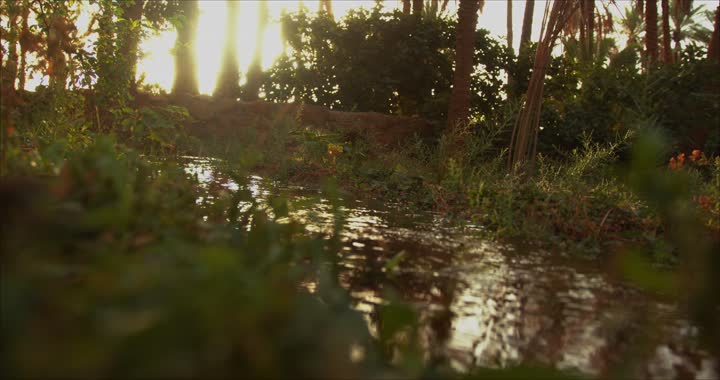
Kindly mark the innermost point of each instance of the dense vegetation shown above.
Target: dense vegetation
(115, 262)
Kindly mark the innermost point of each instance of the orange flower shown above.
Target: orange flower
(673, 164)
(696, 154)
(681, 158)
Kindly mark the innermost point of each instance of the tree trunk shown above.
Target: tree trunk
(186, 82)
(509, 25)
(587, 9)
(129, 48)
(8, 75)
(523, 142)
(443, 7)
(55, 39)
(667, 53)
(417, 7)
(25, 32)
(252, 87)
(714, 48)
(511, 79)
(228, 84)
(464, 50)
(406, 7)
(435, 7)
(325, 5)
(527, 26)
(651, 37)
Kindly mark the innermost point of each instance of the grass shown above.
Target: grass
(579, 203)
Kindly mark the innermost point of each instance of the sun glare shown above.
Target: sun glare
(157, 63)
(157, 67)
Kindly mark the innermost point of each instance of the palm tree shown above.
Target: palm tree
(632, 24)
(185, 74)
(685, 25)
(651, 37)
(228, 84)
(406, 7)
(459, 107)
(527, 26)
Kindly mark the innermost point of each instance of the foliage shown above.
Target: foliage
(607, 101)
(670, 193)
(109, 268)
(346, 65)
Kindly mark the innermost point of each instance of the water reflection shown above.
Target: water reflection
(483, 304)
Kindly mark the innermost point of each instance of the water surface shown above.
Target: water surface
(486, 304)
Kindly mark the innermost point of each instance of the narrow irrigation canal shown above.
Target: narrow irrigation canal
(485, 304)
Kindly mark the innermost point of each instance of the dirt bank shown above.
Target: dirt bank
(225, 117)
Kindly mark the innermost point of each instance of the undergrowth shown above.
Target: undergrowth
(578, 202)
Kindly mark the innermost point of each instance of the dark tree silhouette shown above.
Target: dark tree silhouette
(228, 84)
(185, 72)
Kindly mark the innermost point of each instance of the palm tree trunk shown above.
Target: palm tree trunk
(527, 26)
(443, 7)
(325, 5)
(667, 54)
(523, 142)
(435, 6)
(228, 84)
(714, 48)
(459, 108)
(417, 7)
(252, 87)
(24, 34)
(509, 25)
(587, 9)
(406, 7)
(640, 5)
(651, 37)
(186, 82)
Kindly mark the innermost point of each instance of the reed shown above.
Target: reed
(523, 142)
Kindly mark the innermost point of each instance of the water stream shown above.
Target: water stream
(486, 304)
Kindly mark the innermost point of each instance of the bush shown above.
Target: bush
(382, 62)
